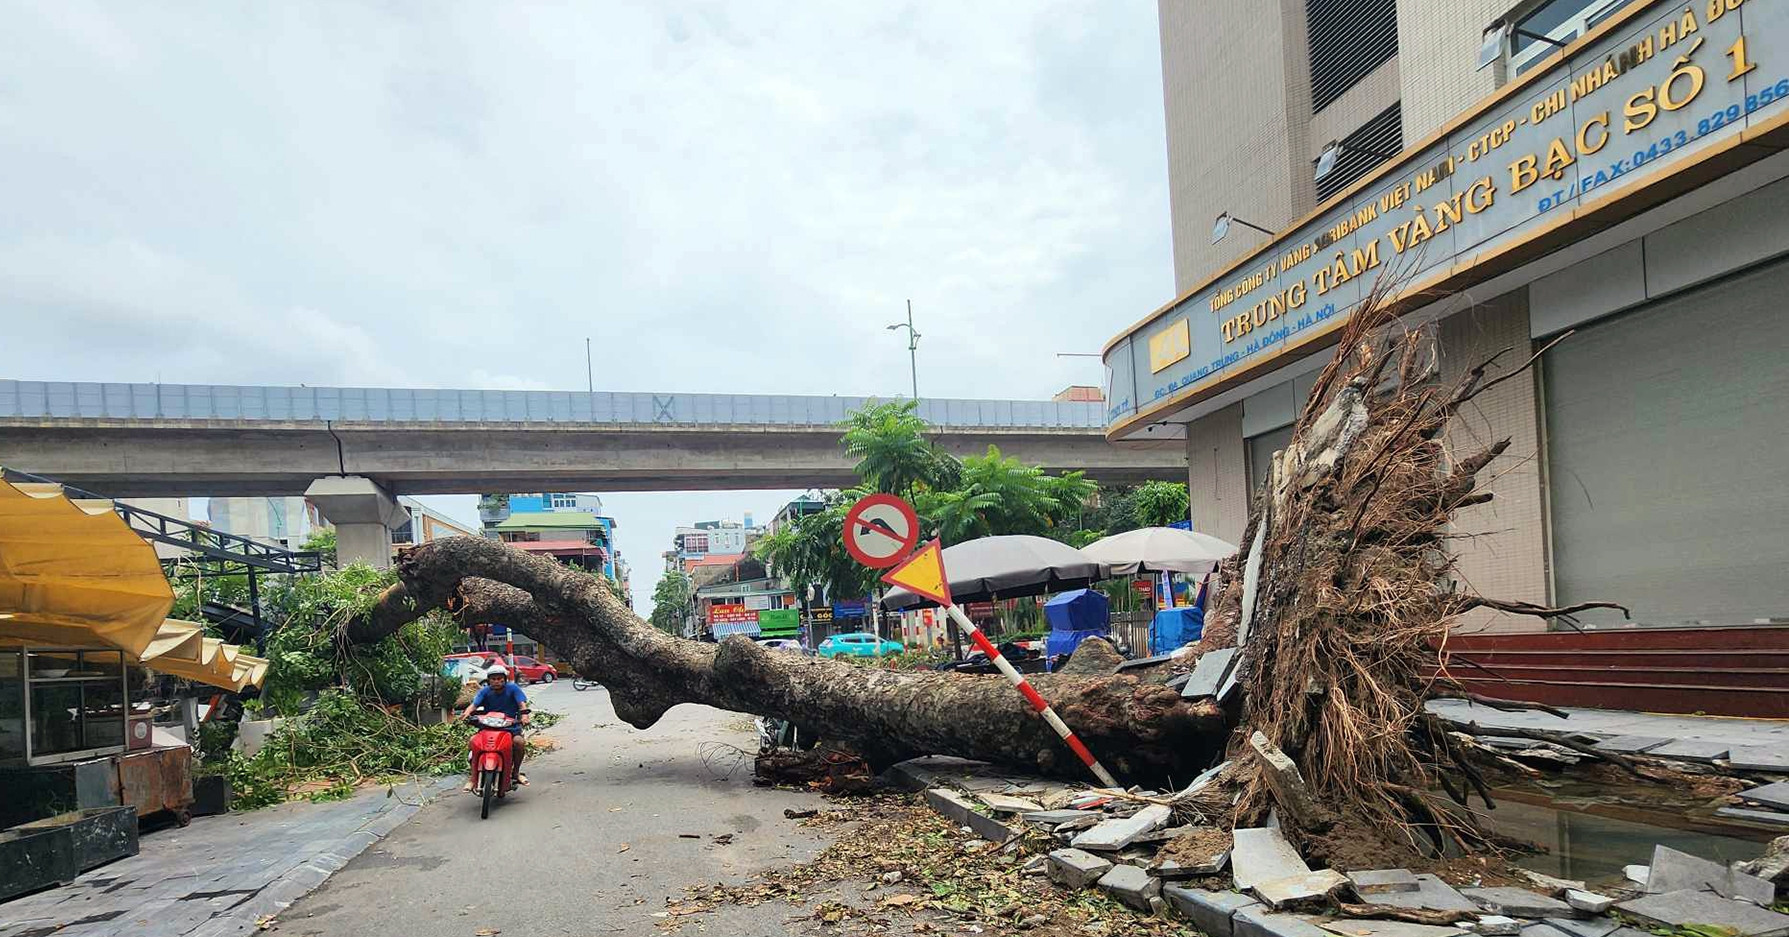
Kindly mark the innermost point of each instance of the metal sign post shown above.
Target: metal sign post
(923, 574)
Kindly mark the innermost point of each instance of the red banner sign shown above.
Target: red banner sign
(731, 614)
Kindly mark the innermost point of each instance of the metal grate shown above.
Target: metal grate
(1362, 149)
(1349, 38)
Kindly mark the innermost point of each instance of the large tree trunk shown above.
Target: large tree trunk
(1143, 731)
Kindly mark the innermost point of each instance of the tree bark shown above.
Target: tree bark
(1144, 731)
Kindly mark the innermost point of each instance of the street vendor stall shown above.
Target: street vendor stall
(83, 606)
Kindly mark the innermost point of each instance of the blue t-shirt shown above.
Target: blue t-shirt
(507, 701)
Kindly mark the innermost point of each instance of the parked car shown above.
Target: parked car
(529, 670)
(858, 644)
(471, 667)
(780, 644)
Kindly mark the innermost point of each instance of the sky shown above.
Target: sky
(732, 197)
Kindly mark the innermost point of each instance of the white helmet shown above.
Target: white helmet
(498, 668)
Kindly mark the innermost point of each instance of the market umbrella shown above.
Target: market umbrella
(1005, 567)
(1158, 550)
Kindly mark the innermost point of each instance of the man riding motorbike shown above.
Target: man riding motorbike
(500, 695)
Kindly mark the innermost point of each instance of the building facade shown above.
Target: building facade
(285, 522)
(1610, 168)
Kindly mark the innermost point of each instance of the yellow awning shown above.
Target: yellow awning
(74, 574)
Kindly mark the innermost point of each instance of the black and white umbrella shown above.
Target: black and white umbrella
(1004, 568)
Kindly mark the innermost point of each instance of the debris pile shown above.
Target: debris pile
(1158, 853)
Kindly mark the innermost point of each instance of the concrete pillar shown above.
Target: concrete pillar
(363, 514)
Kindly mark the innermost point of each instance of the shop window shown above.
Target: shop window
(75, 701)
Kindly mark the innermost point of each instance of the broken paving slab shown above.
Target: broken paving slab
(1258, 921)
(1211, 911)
(1595, 927)
(1175, 869)
(1679, 908)
(954, 808)
(1770, 795)
(1262, 854)
(1432, 894)
(1588, 901)
(1766, 817)
(1208, 674)
(1378, 880)
(1495, 925)
(1373, 928)
(1002, 803)
(1131, 886)
(1632, 744)
(1115, 834)
(1760, 758)
(1057, 817)
(1691, 750)
(1073, 868)
(1518, 902)
(1678, 871)
(1299, 889)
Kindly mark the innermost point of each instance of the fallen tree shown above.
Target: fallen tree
(1143, 730)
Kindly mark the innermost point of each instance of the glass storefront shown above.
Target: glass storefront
(69, 703)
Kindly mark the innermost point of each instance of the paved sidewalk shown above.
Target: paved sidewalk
(218, 876)
(1755, 738)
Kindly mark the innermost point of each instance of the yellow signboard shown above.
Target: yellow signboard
(1170, 345)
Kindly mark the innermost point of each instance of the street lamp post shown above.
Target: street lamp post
(912, 346)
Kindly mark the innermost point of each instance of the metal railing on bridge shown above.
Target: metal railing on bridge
(232, 403)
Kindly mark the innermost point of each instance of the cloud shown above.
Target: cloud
(725, 197)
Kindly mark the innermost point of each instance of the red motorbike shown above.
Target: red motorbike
(493, 758)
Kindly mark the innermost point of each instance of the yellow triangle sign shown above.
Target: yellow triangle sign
(923, 574)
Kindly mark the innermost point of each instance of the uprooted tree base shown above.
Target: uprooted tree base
(1342, 598)
(1144, 730)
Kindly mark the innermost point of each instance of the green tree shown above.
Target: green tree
(671, 601)
(322, 541)
(893, 454)
(1159, 503)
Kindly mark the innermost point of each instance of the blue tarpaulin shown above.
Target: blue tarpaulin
(1073, 616)
(1174, 627)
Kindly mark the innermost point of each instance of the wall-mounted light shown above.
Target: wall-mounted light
(1326, 161)
(1497, 36)
(1221, 227)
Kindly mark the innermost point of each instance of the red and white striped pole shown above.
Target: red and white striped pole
(1031, 695)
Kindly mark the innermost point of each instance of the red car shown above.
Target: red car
(521, 669)
(529, 670)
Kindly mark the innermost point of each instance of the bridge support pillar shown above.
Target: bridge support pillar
(363, 514)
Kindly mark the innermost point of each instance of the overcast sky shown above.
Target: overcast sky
(725, 197)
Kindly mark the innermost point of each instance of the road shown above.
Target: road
(594, 844)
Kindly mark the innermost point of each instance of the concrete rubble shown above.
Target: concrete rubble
(1124, 843)
(1680, 871)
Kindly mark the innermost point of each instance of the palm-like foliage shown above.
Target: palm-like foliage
(892, 452)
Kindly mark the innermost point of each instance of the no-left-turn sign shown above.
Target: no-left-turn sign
(880, 531)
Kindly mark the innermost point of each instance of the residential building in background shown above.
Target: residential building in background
(425, 525)
(809, 503)
(1079, 393)
(287, 522)
(1631, 188)
(720, 538)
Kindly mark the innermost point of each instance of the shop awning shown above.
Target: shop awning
(73, 574)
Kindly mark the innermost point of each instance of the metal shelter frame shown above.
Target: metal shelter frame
(209, 553)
